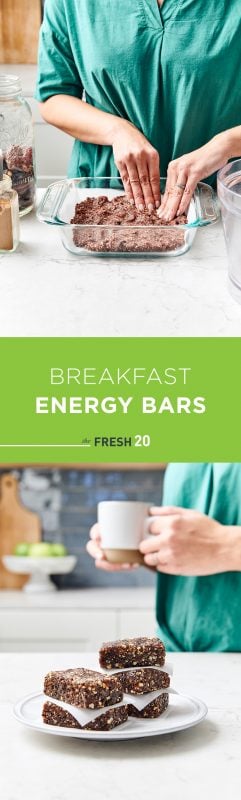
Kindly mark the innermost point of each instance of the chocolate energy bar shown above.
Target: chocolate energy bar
(83, 688)
(132, 653)
(152, 710)
(145, 679)
(54, 715)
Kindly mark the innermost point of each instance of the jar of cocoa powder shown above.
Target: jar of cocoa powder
(16, 141)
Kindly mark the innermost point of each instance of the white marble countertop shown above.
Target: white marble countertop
(201, 763)
(106, 597)
(46, 291)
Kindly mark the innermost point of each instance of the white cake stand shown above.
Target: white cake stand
(39, 570)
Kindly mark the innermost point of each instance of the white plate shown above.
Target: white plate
(183, 712)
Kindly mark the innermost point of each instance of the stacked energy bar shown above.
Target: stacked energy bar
(91, 700)
(84, 699)
(140, 665)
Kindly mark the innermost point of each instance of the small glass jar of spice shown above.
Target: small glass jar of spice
(9, 213)
(16, 141)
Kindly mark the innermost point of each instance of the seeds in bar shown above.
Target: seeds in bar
(54, 715)
(138, 661)
(83, 688)
(151, 710)
(145, 679)
(142, 651)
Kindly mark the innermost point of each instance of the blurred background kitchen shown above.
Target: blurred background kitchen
(19, 29)
(89, 605)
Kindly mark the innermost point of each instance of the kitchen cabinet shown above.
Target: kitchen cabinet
(136, 623)
(44, 631)
(73, 620)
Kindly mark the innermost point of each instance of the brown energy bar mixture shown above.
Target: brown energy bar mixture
(150, 237)
(142, 651)
(152, 710)
(139, 681)
(18, 163)
(54, 715)
(83, 688)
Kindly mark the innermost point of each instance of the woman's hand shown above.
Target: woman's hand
(93, 547)
(184, 173)
(185, 542)
(135, 158)
(138, 165)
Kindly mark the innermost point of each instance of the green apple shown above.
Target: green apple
(22, 549)
(58, 549)
(40, 550)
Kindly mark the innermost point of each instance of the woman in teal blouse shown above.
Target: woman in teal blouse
(196, 550)
(162, 85)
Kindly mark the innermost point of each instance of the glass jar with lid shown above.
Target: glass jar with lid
(16, 141)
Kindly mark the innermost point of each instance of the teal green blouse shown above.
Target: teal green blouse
(174, 72)
(202, 613)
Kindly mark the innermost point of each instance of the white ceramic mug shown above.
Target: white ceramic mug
(123, 525)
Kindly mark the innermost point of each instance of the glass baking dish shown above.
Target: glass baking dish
(58, 208)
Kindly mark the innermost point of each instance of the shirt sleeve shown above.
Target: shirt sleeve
(57, 72)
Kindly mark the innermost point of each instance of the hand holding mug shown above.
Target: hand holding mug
(115, 539)
(186, 542)
(95, 551)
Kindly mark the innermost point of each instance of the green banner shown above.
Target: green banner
(120, 400)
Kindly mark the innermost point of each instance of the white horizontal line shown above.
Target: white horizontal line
(45, 445)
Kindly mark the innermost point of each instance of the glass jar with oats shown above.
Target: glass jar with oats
(16, 141)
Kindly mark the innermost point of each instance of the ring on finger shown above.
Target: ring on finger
(153, 557)
(181, 185)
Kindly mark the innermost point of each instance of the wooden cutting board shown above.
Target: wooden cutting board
(17, 524)
(19, 29)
